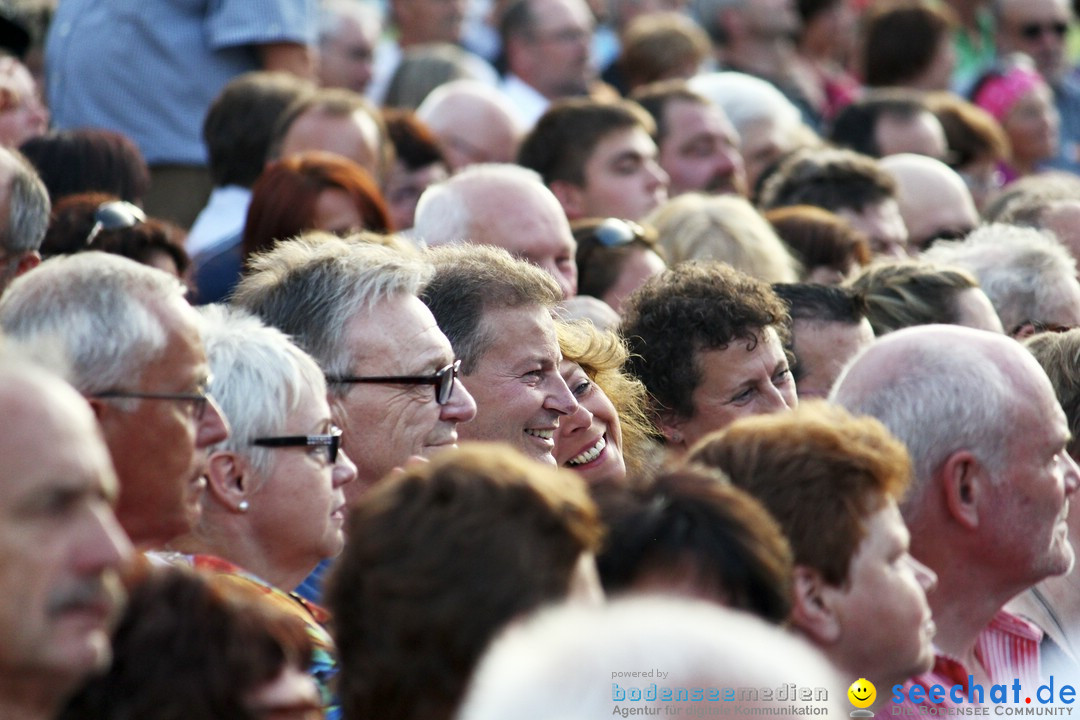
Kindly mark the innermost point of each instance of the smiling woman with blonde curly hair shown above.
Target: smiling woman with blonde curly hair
(608, 438)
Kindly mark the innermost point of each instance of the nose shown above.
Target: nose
(105, 545)
(927, 578)
(462, 406)
(344, 471)
(773, 400)
(213, 427)
(559, 398)
(1072, 475)
(658, 177)
(575, 422)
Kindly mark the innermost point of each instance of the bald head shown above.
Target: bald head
(473, 122)
(506, 206)
(934, 200)
(943, 387)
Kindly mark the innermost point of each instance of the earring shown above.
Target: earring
(243, 506)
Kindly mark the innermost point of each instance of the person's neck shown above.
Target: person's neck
(240, 549)
(25, 698)
(963, 605)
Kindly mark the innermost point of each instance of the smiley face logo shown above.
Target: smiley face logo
(862, 693)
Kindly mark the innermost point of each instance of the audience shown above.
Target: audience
(86, 160)
(473, 122)
(905, 294)
(24, 216)
(833, 481)
(497, 313)
(1029, 276)
(506, 206)
(411, 619)
(61, 548)
(418, 164)
(887, 122)
(137, 355)
(825, 245)
(614, 257)
(598, 158)
(608, 439)
(829, 326)
(991, 483)
(934, 201)
(689, 532)
(708, 343)
(726, 228)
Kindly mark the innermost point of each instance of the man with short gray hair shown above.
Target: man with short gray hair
(507, 206)
(1028, 275)
(24, 215)
(990, 491)
(353, 305)
(132, 347)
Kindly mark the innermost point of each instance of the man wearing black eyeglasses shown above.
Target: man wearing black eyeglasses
(1038, 28)
(392, 378)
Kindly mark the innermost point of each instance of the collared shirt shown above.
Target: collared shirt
(1007, 648)
(151, 69)
(222, 219)
(526, 100)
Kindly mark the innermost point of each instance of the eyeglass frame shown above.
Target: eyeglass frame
(331, 441)
(199, 400)
(444, 389)
(134, 212)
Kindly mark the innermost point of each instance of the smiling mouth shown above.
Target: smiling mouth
(590, 454)
(542, 434)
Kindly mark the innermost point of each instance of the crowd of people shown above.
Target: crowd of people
(437, 361)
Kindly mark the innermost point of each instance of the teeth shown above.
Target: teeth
(590, 454)
(545, 434)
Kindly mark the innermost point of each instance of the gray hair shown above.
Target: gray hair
(258, 379)
(747, 100)
(311, 286)
(332, 12)
(443, 212)
(1025, 272)
(28, 205)
(936, 397)
(553, 664)
(102, 311)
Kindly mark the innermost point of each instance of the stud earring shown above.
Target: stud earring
(243, 506)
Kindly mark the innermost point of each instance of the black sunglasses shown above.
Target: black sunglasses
(331, 443)
(443, 380)
(1034, 31)
(197, 400)
(115, 215)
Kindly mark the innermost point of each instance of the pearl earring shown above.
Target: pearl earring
(243, 506)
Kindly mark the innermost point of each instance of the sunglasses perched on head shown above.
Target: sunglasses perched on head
(114, 215)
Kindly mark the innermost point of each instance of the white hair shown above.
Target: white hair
(259, 378)
(332, 12)
(562, 663)
(102, 311)
(746, 99)
(444, 213)
(1027, 273)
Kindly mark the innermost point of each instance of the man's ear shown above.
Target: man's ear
(571, 197)
(813, 610)
(228, 480)
(962, 478)
(671, 426)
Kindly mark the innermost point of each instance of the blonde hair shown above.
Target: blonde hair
(725, 228)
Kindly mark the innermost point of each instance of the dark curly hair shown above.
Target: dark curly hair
(698, 305)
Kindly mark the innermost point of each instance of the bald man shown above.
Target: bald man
(934, 200)
(473, 122)
(990, 491)
(506, 206)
